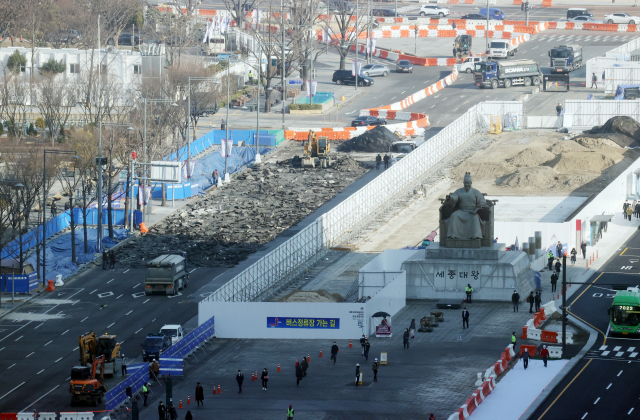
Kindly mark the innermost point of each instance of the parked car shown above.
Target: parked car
(404, 66)
(585, 18)
(65, 37)
(368, 121)
(622, 18)
(433, 10)
(577, 11)
(344, 77)
(475, 16)
(375, 70)
(385, 13)
(125, 39)
(340, 6)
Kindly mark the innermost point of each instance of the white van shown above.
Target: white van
(174, 331)
(469, 64)
(215, 45)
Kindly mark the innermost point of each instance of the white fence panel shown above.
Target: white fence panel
(589, 113)
(487, 109)
(629, 74)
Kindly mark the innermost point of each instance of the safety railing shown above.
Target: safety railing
(138, 375)
(192, 341)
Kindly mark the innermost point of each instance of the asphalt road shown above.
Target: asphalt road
(603, 385)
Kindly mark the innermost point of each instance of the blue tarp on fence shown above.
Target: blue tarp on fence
(137, 375)
(204, 167)
(214, 137)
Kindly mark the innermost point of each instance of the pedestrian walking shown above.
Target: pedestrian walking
(515, 299)
(362, 340)
(544, 353)
(334, 352)
(558, 109)
(558, 266)
(367, 346)
(304, 365)
(378, 161)
(538, 301)
(629, 212)
(525, 359)
(250, 77)
(105, 259)
(412, 328)
(162, 411)
(625, 205)
(188, 416)
(239, 380)
(455, 52)
(594, 81)
(386, 161)
(573, 256)
(465, 318)
(298, 374)
(636, 209)
(290, 412)
(123, 368)
(468, 291)
(54, 208)
(453, 26)
(559, 250)
(405, 339)
(583, 248)
(214, 175)
(550, 259)
(173, 413)
(112, 260)
(145, 393)
(375, 368)
(513, 340)
(357, 374)
(554, 281)
(530, 300)
(265, 379)
(199, 394)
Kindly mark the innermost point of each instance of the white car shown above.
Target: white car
(468, 65)
(621, 18)
(587, 19)
(433, 10)
(174, 331)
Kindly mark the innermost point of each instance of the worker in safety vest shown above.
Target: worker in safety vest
(469, 290)
(290, 413)
(513, 340)
(145, 393)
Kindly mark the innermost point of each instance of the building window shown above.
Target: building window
(137, 69)
(74, 68)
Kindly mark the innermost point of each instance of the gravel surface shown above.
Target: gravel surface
(226, 225)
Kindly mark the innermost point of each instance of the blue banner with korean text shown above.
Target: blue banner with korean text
(320, 323)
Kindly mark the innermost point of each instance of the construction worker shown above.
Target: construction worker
(124, 367)
(469, 290)
(375, 368)
(290, 412)
(357, 374)
(550, 259)
(145, 393)
(250, 77)
(513, 340)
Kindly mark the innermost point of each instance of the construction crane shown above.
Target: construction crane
(84, 386)
(106, 345)
(316, 151)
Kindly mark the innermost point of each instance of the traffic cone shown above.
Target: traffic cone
(214, 390)
(278, 367)
(180, 406)
(219, 390)
(188, 400)
(320, 353)
(308, 357)
(350, 344)
(596, 253)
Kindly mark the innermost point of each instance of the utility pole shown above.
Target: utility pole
(357, 33)
(415, 42)
(99, 160)
(564, 305)
(487, 29)
(283, 61)
(526, 12)
(369, 49)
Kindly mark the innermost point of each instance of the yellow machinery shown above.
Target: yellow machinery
(92, 347)
(85, 386)
(316, 151)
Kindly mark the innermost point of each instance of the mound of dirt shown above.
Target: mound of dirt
(625, 131)
(378, 139)
(595, 142)
(531, 156)
(571, 162)
(566, 146)
(320, 295)
(527, 177)
(481, 170)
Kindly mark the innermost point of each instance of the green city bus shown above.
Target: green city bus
(624, 313)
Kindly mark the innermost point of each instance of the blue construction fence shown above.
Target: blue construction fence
(18, 283)
(192, 341)
(137, 375)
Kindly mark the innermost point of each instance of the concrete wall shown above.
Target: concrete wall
(390, 299)
(249, 319)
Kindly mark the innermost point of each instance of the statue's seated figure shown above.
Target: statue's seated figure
(466, 218)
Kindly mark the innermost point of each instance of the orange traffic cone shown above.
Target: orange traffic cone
(219, 390)
(308, 357)
(180, 406)
(214, 390)
(596, 253)
(278, 367)
(320, 353)
(188, 400)
(350, 344)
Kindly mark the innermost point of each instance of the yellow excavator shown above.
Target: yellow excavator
(316, 152)
(92, 347)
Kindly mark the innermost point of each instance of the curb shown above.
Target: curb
(546, 392)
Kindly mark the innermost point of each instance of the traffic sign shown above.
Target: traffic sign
(295, 82)
(589, 97)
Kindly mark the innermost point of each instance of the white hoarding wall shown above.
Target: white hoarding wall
(581, 114)
(390, 299)
(627, 73)
(597, 65)
(381, 271)
(279, 320)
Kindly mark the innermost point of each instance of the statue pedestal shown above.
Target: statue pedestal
(443, 273)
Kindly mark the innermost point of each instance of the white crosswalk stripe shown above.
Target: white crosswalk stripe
(617, 348)
(634, 354)
(605, 353)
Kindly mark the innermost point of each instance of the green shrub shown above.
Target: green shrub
(305, 107)
(1, 128)
(40, 123)
(52, 66)
(32, 130)
(16, 62)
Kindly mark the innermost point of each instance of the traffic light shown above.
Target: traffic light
(102, 161)
(526, 7)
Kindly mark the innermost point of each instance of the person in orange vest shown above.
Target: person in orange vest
(544, 353)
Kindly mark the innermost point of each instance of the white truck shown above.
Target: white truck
(174, 331)
(502, 48)
(468, 65)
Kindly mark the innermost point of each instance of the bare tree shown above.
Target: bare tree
(12, 13)
(349, 24)
(240, 8)
(14, 92)
(54, 102)
(115, 15)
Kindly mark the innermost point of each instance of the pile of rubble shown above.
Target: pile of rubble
(224, 227)
(622, 130)
(378, 139)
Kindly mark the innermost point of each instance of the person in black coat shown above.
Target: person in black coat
(367, 346)
(378, 161)
(465, 318)
(554, 281)
(265, 379)
(298, 373)
(558, 265)
(188, 416)
(559, 249)
(525, 359)
(357, 374)
(386, 161)
(362, 340)
(239, 380)
(162, 411)
(199, 394)
(515, 299)
(538, 301)
(334, 352)
(583, 247)
(405, 339)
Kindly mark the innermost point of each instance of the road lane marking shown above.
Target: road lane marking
(110, 281)
(136, 285)
(85, 318)
(630, 411)
(193, 270)
(129, 312)
(619, 354)
(126, 271)
(609, 386)
(40, 372)
(54, 388)
(111, 325)
(585, 415)
(41, 324)
(93, 292)
(565, 388)
(48, 343)
(596, 402)
(631, 349)
(12, 390)
(2, 349)
(119, 297)
(58, 360)
(625, 250)
(75, 349)
(146, 301)
(634, 354)
(617, 348)
(19, 337)
(65, 332)
(603, 348)
(402, 92)
(154, 320)
(619, 373)
(138, 331)
(11, 366)
(29, 354)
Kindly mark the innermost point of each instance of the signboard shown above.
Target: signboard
(318, 323)
(173, 366)
(295, 82)
(162, 171)
(383, 331)
(590, 96)
(383, 358)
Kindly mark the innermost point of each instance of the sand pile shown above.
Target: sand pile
(319, 295)
(566, 146)
(531, 156)
(595, 142)
(527, 177)
(571, 162)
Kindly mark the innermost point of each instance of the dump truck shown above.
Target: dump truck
(166, 274)
(316, 152)
(501, 48)
(91, 347)
(85, 386)
(507, 74)
(462, 45)
(565, 58)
